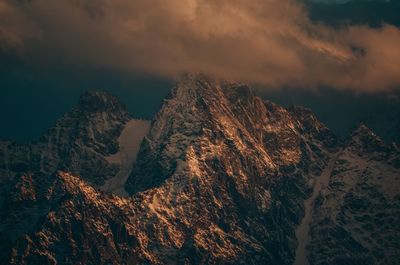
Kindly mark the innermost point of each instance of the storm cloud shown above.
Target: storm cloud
(271, 42)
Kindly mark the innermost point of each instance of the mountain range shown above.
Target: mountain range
(219, 176)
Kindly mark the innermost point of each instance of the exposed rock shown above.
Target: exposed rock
(221, 178)
(79, 142)
(357, 216)
(226, 172)
(67, 222)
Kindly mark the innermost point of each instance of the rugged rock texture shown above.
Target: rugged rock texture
(224, 175)
(79, 142)
(221, 178)
(357, 216)
(59, 219)
(199, 108)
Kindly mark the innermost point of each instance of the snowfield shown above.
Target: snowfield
(129, 145)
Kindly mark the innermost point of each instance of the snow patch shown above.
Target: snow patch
(303, 230)
(129, 145)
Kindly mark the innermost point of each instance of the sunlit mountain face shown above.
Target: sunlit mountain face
(199, 132)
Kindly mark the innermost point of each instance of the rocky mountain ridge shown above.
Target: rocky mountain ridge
(221, 178)
(79, 142)
(356, 216)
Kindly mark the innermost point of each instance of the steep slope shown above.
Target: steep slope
(199, 107)
(357, 216)
(220, 179)
(79, 142)
(226, 173)
(129, 144)
(303, 230)
(59, 219)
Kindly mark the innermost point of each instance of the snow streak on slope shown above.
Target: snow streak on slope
(356, 217)
(303, 231)
(78, 142)
(129, 144)
(221, 178)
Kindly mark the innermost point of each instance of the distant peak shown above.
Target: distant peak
(307, 117)
(362, 132)
(98, 96)
(364, 138)
(97, 101)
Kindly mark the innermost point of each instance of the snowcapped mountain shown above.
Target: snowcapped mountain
(221, 177)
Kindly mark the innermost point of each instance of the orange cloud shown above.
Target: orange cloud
(272, 42)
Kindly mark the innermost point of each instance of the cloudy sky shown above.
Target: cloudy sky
(292, 51)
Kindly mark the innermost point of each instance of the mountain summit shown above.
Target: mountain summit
(79, 142)
(221, 177)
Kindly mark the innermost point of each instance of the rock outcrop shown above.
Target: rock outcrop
(79, 142)
(221, 178)
(357, 216)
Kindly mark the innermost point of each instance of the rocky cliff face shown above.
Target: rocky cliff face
(59, 219)
(227, 114)
(356, 216)
(228, 173)
(221, 178)
(79, 142)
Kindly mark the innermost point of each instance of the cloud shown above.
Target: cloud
(271, 42)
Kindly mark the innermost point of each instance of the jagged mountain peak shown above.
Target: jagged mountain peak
(364, 139)
(213, 111)
(196, 99)
(307, 117)
(191, 87)
(96, 122)
(100, 101)
(199, 109)
(79, 141)
(221, 178)
(200, 85)
(363, 131)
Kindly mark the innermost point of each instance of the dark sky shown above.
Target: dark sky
(33, 97)
(31, 100)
